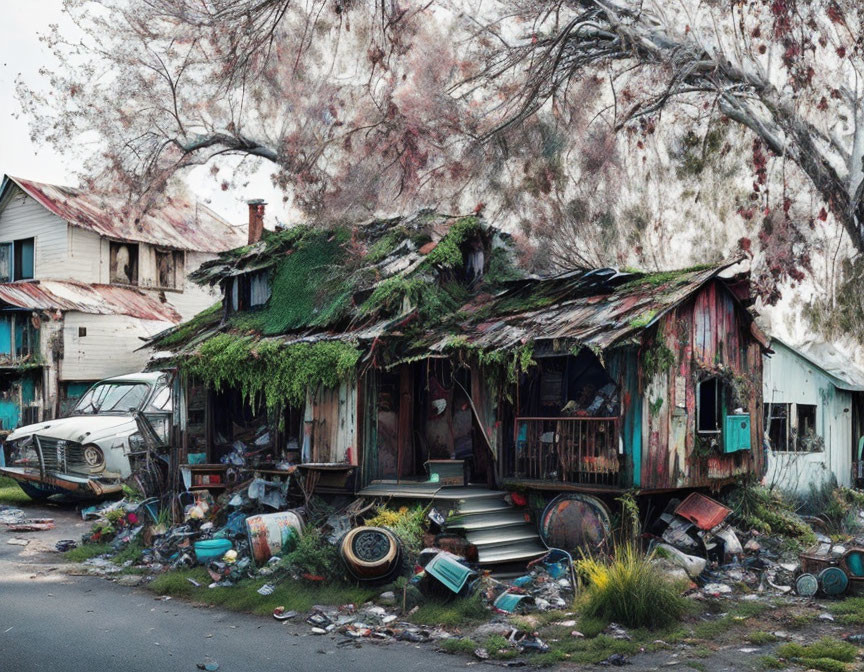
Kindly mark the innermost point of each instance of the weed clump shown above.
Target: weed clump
(406, 523)
(767, 511)
(628, 589)
(314, 556)
(827, 654)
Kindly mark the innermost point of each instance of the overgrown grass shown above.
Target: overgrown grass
(630, 590)
(454, 613)
(406, 523)
(132, 551)
(760, 638)
(87, 551)
(244, 596)
(458, 645)
(849, 611)
(827, 654)
(11, 494)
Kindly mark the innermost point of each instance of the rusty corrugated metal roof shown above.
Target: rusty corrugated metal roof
(178, 224)
(81, 297)
(597, 309)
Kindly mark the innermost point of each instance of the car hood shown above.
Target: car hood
(80, 428)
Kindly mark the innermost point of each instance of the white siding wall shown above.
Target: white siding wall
(194, 298)
(22, 217)
(789, 378)
(86, 259)
(110, 347)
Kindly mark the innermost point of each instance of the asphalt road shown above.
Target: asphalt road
(52, 621)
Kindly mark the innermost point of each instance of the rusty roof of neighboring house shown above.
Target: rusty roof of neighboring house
(177, 224)
(85, 298)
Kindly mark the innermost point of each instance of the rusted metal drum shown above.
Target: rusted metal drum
(273, 534)
(833, 581)
(576, 522)
(370, 553)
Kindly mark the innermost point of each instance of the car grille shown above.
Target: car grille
(60, 457)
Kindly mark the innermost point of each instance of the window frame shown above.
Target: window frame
(17, 270)
(718, 412)
(112, 256)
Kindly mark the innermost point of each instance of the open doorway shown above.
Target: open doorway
(426, 426)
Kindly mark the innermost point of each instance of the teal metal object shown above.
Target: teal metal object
(210, 549)
(508, 602)
(854, 561)
(806, 585)
(449, 571)
(6, 335)
(833, 581)
(736, 433)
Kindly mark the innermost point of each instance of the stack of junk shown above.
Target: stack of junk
(515, 554)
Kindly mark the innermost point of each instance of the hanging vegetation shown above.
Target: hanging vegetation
(270, 370)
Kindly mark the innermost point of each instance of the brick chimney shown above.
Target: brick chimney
(256, 219)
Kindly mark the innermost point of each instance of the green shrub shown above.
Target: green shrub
(408, 524)
(629, 589)
(758, 508)
(87, 551)
(314, 555)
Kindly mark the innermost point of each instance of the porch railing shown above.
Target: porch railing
(581, 451)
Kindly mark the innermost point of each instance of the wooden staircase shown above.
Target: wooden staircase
(502, 533)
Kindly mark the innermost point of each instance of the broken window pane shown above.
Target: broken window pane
(169, 269)
(777, 423)
(124, 263)
(805, 430)
(708, 406)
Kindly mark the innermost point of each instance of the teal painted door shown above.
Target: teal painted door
(10, 414)
(736, 433)
(6, 335)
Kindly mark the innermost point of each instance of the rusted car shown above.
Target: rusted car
(90, 452)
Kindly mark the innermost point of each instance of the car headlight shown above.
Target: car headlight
(136, 443)
(93, 455)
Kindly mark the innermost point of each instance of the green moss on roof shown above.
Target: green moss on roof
(307, 287)
(271, 370)
(448, 252)
(183, 333)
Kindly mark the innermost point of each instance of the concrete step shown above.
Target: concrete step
(524, 550)
(502, 535)
(482, 506)
(485, 521)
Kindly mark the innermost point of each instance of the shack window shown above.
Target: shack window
(708, 406)
(169, 268)
(5, 262)
(259, 289)
(124, 263)
(777, 424)
(22, 264)
(806, 438)
(26, 336)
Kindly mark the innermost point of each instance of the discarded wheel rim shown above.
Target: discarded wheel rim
(806, 585)
(370, 553)
(575, 522)
(833, 581)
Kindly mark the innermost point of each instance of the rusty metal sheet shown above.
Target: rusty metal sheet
(177, 223)
(704, 512)
(85, 298)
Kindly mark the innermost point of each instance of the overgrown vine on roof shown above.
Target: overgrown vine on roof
(270, 370)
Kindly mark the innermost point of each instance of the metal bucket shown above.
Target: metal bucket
(273, 534)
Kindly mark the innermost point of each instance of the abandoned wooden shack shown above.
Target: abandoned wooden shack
(413, 357)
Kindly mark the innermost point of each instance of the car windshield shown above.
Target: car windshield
(112, 398)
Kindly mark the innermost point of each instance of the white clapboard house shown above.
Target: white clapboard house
(81, 285)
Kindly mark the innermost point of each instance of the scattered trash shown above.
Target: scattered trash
(193, 582)
(615, 660)
(18, 542)
(208, 666)
(31, 525)
(280, 614)
(65, 545)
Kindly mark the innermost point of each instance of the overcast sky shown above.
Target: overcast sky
(22, 54)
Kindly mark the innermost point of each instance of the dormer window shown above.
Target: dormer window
(248, 292)
(124, 263)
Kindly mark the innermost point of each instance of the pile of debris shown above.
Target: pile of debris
(693, 540)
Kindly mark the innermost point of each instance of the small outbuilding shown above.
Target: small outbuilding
(813, 416)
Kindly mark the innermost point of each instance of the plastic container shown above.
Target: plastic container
(210, 549)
